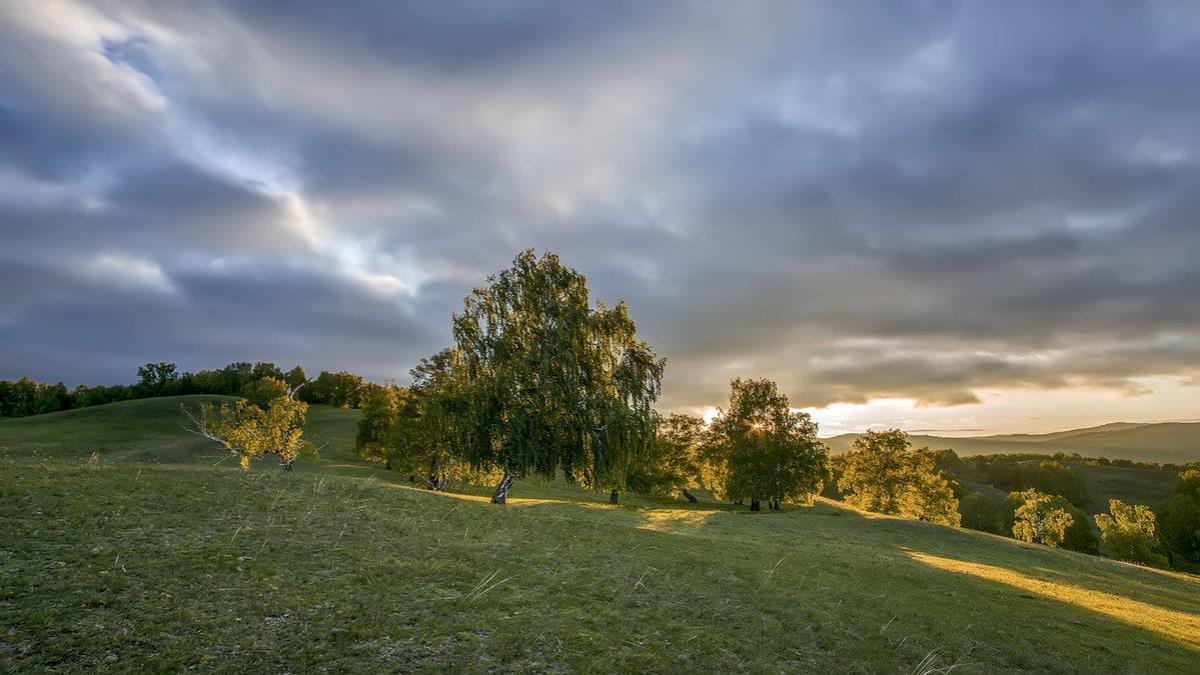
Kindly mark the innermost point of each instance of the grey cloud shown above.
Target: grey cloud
(770, 186)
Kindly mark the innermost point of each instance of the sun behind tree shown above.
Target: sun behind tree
(764, 449)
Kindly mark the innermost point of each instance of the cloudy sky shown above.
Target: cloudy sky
(952, 216)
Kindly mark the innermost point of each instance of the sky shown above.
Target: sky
(960, 217)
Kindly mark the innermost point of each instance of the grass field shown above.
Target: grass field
(145, 556)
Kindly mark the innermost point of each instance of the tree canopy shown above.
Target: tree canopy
(764, 449)
(884, 474)
(677, 461)
(249, 431)
(1040, 518)
(554, 383)
(1130, 533)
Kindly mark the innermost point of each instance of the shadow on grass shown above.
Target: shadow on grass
(1183, 627)
(1163, 605)
(996, 588)
(848, 588)
(1170, 591)
(1085, 589)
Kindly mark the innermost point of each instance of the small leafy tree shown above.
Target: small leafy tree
(677, 463)
(764, 449)
(1040, 518)
(249, 432)
(339, 389)
(1080, 535)
(418, 431)
(1188, 484)
(1179, 524)
(950, 466)
(266, 369)
(154, 378)
(295, 378)
(379, 423)
(1129, 532)
(434, 423)
(981, 513)
(262, 391)
(884, 474)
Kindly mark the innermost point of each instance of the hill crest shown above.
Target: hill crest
(1157, 442)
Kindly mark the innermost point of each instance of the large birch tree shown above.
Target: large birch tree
(555, 384)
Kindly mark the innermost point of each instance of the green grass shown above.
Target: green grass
(141, 561)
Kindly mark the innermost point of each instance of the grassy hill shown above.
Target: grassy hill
(1177, 442)
(148, 557)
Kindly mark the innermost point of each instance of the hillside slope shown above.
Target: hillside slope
(131, 562)
(1163, 442)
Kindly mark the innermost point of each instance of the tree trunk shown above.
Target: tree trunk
(612, 497)
(754, 505)
(500, 496)
(690, 497)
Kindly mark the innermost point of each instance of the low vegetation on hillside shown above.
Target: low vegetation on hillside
(124, 548)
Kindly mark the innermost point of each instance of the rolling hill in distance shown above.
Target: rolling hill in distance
(1176, 442)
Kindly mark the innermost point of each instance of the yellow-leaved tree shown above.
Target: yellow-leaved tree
(250, 431)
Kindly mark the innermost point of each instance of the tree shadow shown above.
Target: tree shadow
(1025, 608)
(1076, 628)
(1174, 591)
(1179, 626)
(1085, 589)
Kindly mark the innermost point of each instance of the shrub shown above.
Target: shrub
(1129, 532)
(882, 473)
(1179, 525)
(1040, 518)
(981, 513)
(261, 392)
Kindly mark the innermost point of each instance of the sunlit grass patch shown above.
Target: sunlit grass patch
(1182, 626)
(675, 520)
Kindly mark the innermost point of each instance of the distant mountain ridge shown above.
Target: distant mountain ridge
(1176, 442)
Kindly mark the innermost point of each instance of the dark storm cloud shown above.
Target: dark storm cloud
(924, 200)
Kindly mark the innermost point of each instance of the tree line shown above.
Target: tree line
(1046, 500)
(259, 381)
(542, 381)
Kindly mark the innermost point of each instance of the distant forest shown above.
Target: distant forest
(25, 397)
